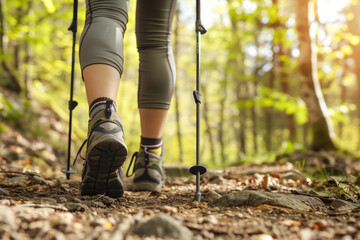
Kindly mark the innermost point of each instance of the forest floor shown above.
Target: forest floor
(303, 195)
(267, 201)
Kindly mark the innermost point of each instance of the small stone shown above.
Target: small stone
(4, 192)
(37, 180)
(207, 234)
(169, 209)
(261, 237)
(216, 179)
(75, 207)
(5, 202)
(350, 229)
(163, 226)
(61, 200)
(77, 200)
(211, 219)
(347, 237)
(307, 234)
(211, 196)
(48, 200)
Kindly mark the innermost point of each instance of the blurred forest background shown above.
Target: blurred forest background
(277, 76)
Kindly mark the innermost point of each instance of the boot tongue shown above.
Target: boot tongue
(102, 104)
(109, 104)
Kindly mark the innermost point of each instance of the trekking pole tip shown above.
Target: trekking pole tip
(197, 197)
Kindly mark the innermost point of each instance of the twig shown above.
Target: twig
(11, 172)
(59, 207)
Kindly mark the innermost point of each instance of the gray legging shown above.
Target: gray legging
(101, 42)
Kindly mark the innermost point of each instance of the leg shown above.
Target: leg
(101, 58)
(156, 84)
(101, 47)
(157, 66)
(152, 122)
(107, 87)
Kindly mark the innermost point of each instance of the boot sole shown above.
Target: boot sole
(103, 163)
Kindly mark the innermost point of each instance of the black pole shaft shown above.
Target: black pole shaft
(72, 104)
(198, 16)
(198, 102)
(198, 46)
(198, 169)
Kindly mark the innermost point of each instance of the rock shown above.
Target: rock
(18, 181)
(77, 200)
(163, 226)
(211, 196)
(4, 192)
(37, 180)
(343, 206)
(75, 207)
(26, 179)
(61, 200)
(256, 198)
(48, 200)
(216, 179)
(169, 209)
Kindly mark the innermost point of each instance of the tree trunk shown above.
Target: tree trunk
(310, 89)
(354, 28)
(285, 88)
(224, 87)
(242, 119)
(269, 110)
(176, 94)
(284, 83)
(10, 81)
(239, 119)
(28, 59)
(208, 125)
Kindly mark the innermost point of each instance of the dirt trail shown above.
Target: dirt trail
(37, 207)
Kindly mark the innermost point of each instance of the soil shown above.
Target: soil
(33, 206)
(266, 201)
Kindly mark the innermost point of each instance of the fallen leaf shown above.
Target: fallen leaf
(265, 181)
(107, 225)
(290, 223)
(319, 226)
(275, 175)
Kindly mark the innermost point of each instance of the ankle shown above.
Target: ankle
(153, 145)
(100, 104)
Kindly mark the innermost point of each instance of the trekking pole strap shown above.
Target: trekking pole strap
(198, 25)
(73, 26)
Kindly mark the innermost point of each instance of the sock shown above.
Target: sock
(153, 145)
(100, 104)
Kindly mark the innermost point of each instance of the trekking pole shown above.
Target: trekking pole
(198, 169)
(72, 104)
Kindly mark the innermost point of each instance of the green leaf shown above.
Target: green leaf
(49, 5)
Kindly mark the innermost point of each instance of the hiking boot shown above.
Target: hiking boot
(148, 171)
(105, 155)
